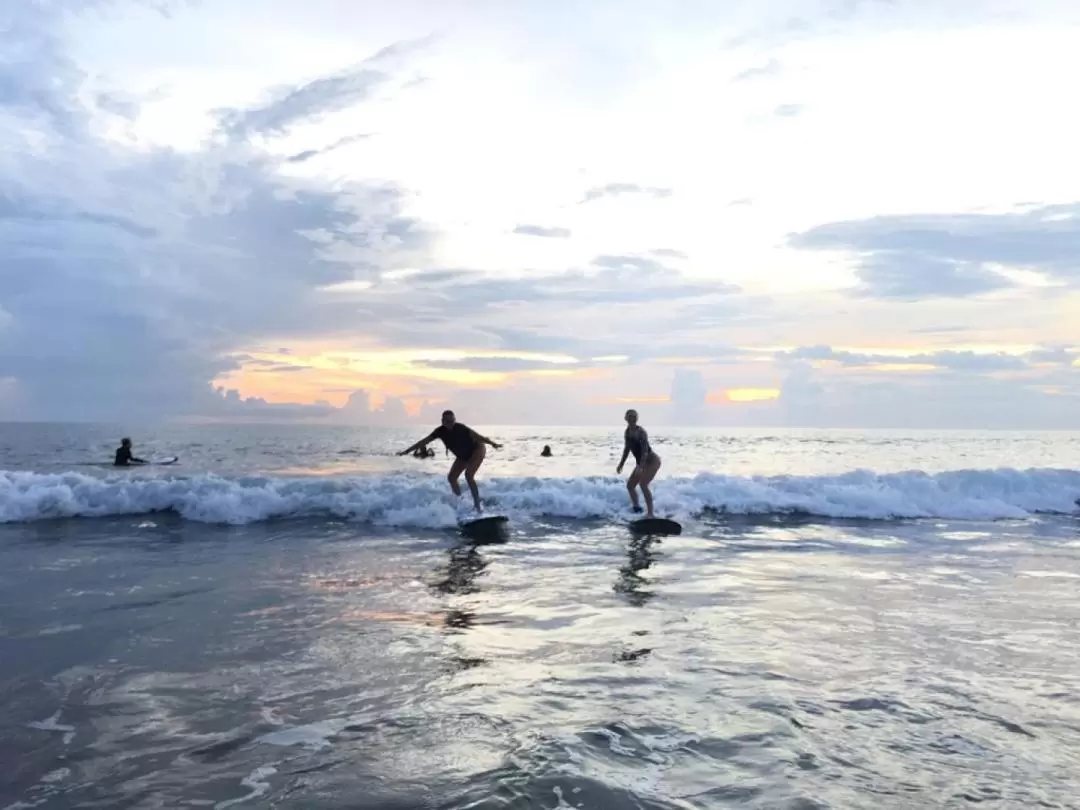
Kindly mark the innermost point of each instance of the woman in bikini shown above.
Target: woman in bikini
(468, 447)
(647, 463)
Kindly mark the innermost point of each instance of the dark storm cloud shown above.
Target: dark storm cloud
(954, 255)
(540, 230)
(127, 279)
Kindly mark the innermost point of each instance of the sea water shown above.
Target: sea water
(290, 618)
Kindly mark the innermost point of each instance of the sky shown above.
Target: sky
(819, 213)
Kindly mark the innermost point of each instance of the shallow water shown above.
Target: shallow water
(763, 660)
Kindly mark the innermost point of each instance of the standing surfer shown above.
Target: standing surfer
(647, 462)
(468, 448)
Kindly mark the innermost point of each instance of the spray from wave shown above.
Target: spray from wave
(424, 502)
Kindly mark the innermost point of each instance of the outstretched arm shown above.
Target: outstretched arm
(139, 460)
(422, 443)
(477, 437)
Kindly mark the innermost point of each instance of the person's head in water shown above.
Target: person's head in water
(125, 442)
(448, 419)
(546, 451)
(631, 417)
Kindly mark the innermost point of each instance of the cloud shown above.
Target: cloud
(769, 68)
(939, 330)
(359, 411)
(688, 396)
(131, 276)
(132, 279)
(507, 365)
(279, 368)
(630, 264)
(319, 97)
(951, 360)
(305, 103)
(540, 230)
(308, 154)
(623, 189)
(668, 253)
(912, 257)
(788, 110)
(810, 397)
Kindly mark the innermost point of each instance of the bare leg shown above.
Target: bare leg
(473, 465)
(454, 475)
(631, 487)
(648, 474)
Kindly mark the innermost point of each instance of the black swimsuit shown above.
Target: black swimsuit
(638, 441)
(124, 457)
(458, 440)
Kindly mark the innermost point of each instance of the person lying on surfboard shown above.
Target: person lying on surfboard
(647, 465)
(468, 448)
(124, 457)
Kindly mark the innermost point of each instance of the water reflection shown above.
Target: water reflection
(465, 564)
(639, 557)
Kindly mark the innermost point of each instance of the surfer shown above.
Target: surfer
(468, 448)
(546, 452)
(647, 462)
(124, 457)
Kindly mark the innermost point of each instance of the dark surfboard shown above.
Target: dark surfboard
(486, 522)
(655, 526)
(485, 529)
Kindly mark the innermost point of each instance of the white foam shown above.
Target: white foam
(53, 724)
(312, 736)
(255, 781)
(423, 501)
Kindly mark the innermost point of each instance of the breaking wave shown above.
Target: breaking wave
(424, 501)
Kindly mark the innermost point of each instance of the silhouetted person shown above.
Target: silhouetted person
(468, 448)
(546, 451)
(647, 465)
(124, 458)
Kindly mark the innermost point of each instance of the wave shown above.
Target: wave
(423, 501)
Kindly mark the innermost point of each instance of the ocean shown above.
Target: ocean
(289, 617)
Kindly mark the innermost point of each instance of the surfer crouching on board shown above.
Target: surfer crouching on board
(468, 448)
(647, 462)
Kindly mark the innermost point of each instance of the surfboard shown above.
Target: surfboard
(165, 460)
(485, 522)
(655, 526)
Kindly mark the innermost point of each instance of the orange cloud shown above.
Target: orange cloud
(743, 395)
(319, 371)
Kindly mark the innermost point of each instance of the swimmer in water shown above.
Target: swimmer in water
(468, 447)
(647, 463)
(124, 458)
